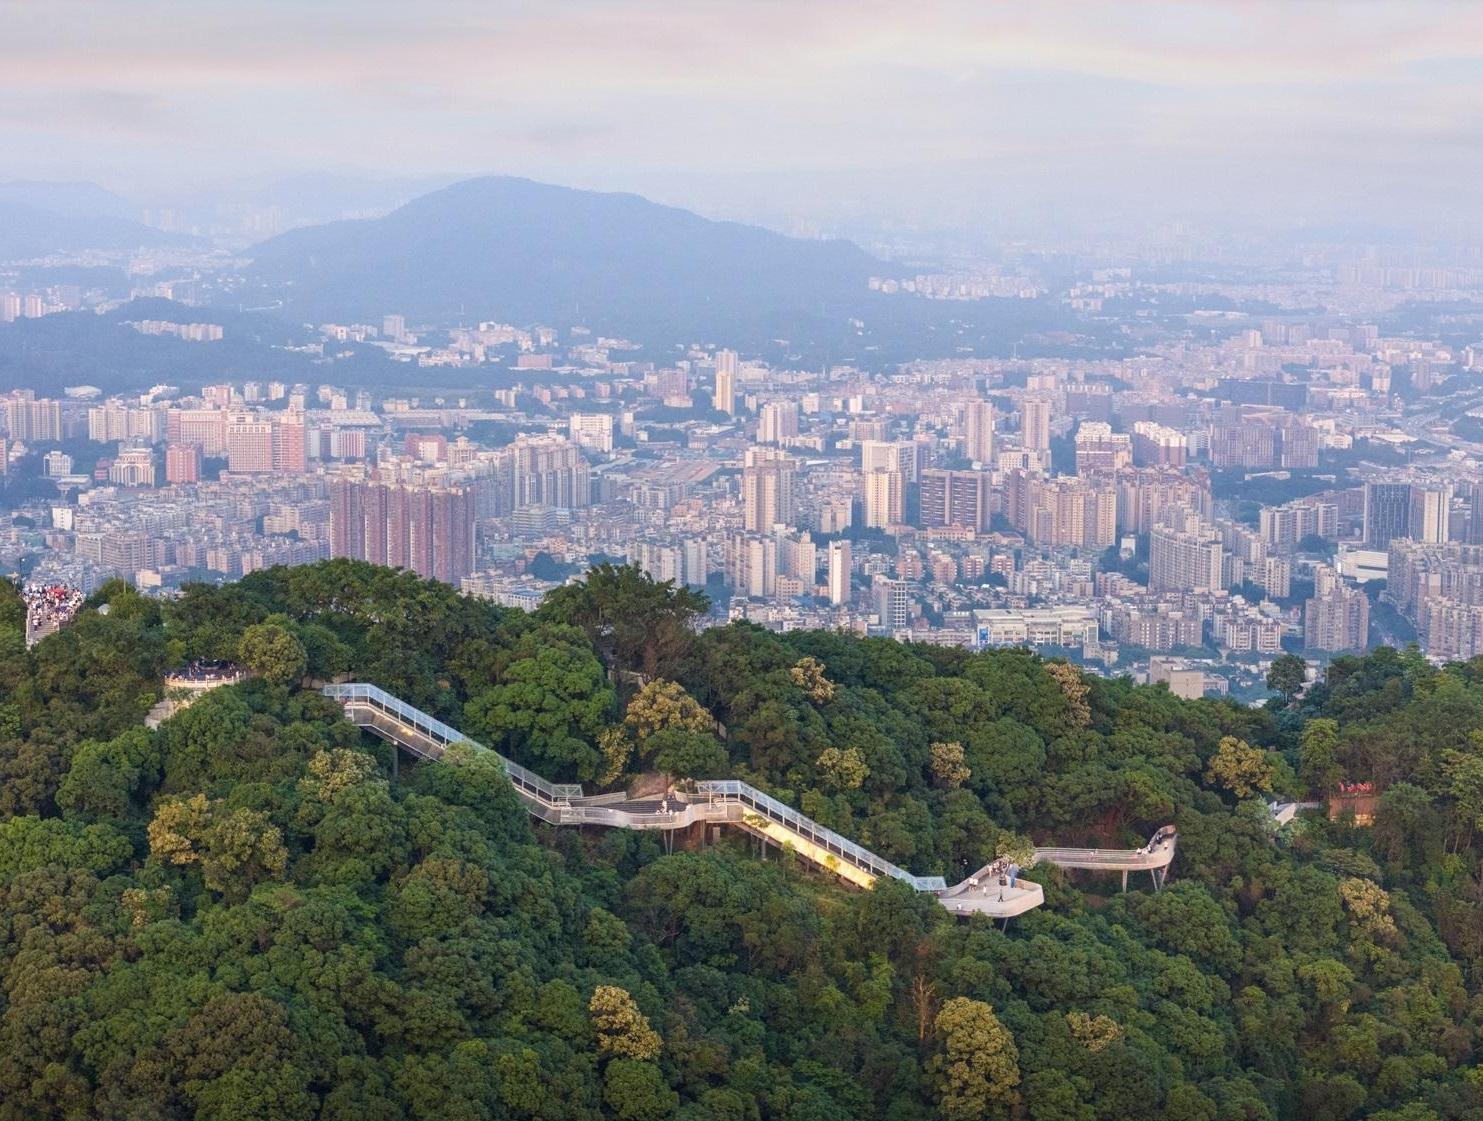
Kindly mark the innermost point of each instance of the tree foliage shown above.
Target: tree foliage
(976, 1070)
(247, 913)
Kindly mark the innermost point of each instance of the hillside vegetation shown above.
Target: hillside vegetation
(242, 915)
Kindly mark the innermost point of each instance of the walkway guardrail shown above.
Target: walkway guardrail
(729, 801)
(444, 735)
(827, 839)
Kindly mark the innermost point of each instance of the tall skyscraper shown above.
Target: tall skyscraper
(1475, 515)
(978, 444)
(724, 399)
(1387, 513)
(839, 573)
(1035, 415)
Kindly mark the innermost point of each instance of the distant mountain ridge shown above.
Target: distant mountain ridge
(521, 251)
(68, 199)
(30, 231)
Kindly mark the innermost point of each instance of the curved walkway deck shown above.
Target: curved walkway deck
(738, 804)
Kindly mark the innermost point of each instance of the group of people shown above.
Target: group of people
(1158, 840)
(204, 670)
(1356, 788)
(1002, 873)
(50, 606)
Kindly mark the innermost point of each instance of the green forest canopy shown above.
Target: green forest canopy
(240, 915)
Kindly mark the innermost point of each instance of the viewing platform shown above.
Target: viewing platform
(994, 890)
(184, 686)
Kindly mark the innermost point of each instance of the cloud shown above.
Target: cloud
(575, 89)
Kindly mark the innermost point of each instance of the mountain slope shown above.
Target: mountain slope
(71, 200)
(29, 231)
(522, 251)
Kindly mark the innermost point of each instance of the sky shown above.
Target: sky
(930, 110)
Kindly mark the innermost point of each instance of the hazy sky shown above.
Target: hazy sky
(1317, 109)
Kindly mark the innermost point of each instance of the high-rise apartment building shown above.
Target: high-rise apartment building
(1387, 513)
(30, 418)
(752, 564)
(978, 427)
(1155, 445)
(1475, 515)
(955, 498)
(1337, 620)
(114, 420)
(1099, 448)
(1062, 511)
(724, 398)
(290, 443)
(548, 471)
(249, 446)
(885, 499)
(1035, 414)
(204, 427)
(839, 573)
(1185, 561)
(892, 604)
(427, 529)
(777, 421)
(182, 463)
(903, 456)
(767, 490)
(591, 430)
(1145, 496)
(1430, 509)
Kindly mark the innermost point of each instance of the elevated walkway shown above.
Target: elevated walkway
(734, 803)
(1283, 813)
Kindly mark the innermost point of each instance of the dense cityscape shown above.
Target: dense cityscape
(733, 561)
(1239, 485)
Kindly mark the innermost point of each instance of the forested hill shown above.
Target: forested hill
(532, 252)
(242, 915)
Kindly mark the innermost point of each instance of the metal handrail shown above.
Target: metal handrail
(1130, 857)
(565, 803)
(445, 735)
(570, 796)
